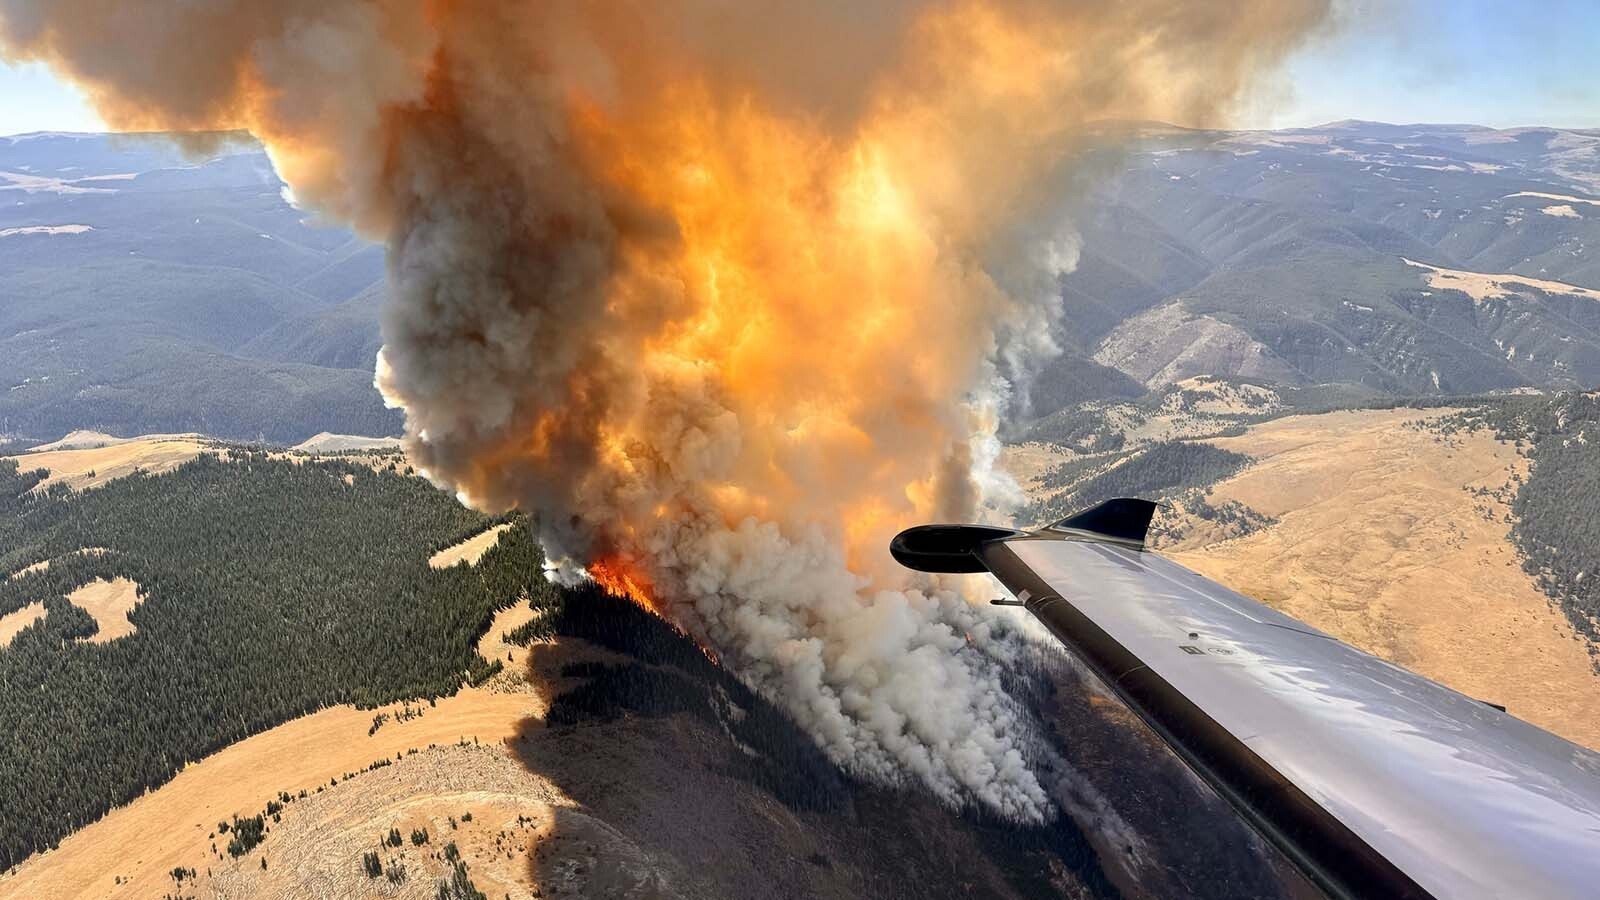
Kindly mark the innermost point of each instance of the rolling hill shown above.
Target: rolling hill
(1311, 256)
(1454, 536)
(145, 290)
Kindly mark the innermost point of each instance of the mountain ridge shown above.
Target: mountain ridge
(1286, 246)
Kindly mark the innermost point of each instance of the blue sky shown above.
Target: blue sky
(1489, 62)
(31, 99)
(1501, 63)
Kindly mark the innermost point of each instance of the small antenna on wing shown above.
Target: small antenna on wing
(1022, 600)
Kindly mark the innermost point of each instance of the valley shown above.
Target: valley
(1351, 360)
(576, 738)
(1425, 574)
(1356, 259)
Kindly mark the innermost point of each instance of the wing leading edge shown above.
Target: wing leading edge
(1374, 780)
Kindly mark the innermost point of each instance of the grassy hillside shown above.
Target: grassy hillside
(1558, 507)
(1129, 448)
(268, 589)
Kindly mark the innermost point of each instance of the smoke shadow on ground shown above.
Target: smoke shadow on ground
(1192, 842)
(706, 789)
(690, 784)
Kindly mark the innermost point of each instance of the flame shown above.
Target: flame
(621, 580)
(793, 266)
(751, 248)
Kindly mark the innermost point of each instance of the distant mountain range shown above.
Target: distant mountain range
(142, 290)
(1387, 259)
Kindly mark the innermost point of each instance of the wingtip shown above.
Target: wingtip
(950, 549)
(1122, 519)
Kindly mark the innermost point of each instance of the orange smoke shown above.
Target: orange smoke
(724, 293)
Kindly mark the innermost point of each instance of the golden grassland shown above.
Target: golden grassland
(1029, 462)
(1383, 542)
(470, 550)
(90, 467)
(109, 602)
(13, 622)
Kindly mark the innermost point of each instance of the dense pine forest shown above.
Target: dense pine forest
(268, 589)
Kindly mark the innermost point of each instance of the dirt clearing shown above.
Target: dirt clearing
(109, 602)
(468, 551)
(319, 843)
(81, 469)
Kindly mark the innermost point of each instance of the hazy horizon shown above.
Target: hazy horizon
(1411, 62)
(1315, 126)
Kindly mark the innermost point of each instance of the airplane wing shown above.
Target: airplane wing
(1374, 781)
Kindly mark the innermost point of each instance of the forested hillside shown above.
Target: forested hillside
(1156, 472)
(1558, 507)
(268, 589)
(144, 290)
(1399, 260)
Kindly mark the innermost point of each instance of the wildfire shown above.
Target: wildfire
(724, 294)
(620, 580)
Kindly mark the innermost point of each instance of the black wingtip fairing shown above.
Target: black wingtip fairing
(949, 549)
(1122, 519)
(956, 549)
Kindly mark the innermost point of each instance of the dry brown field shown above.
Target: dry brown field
(1382, 541)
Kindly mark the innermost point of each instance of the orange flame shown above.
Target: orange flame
(666, 260)
(621, 580)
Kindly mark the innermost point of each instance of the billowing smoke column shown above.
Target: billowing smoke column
(719, 291)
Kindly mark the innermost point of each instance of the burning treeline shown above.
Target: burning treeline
(725, 293)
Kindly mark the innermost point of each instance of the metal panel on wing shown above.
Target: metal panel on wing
(1463, 799)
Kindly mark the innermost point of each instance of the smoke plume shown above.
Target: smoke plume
(722, 292)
